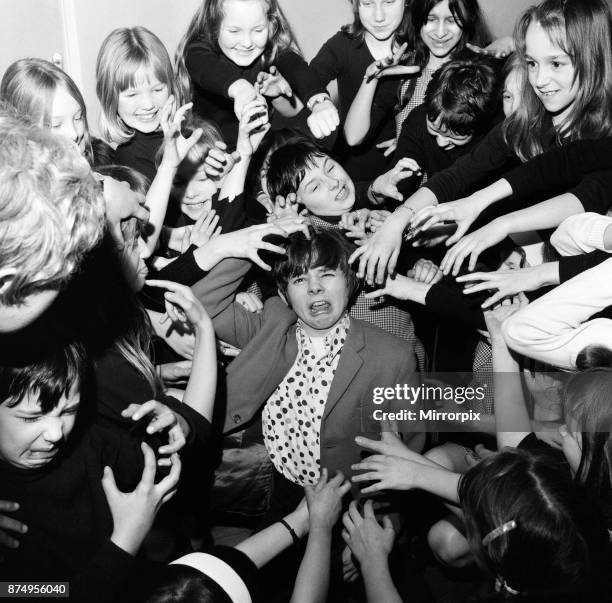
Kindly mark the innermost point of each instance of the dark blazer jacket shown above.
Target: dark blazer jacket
(370, 358)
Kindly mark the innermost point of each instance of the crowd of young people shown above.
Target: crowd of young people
(202, 312)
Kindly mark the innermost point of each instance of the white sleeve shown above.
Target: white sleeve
(581, 233)
(552, 329)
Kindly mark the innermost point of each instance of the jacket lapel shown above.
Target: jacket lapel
(349, 364)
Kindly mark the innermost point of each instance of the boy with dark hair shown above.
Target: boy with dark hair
(305, 363)
(462, 103)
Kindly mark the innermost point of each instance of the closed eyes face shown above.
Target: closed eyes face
(30, 439)
(326, 189)
(551, 73)
(67, 118)
(197, 194)
(244, 31)
(140, 106)
(381, 18)
(512, 93)
(446, 139)
(441, 33)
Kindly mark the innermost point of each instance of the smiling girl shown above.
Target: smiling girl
(438, 30)
(565, 53)
(134, 80)
(378, 29)
(234, 50)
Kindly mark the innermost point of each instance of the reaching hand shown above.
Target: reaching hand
(397, 286)
(379, 255)
(182, 306)
(247, 242)
(499, 49)
(176, 146)
(364, 535)
(325, 500)
(389, 473)
(390, 66)
(250, 302)
(133, 512)
(243, 92)
(462, 211)
(254, 125)
(272, 84)
(161, 418)
(8, 524)
(218, 162)
(425, 271)
(173, 372)
(323, 119)
(507, 282)
(386, 184)
(495, 317)
(387, 147)
(204, 229)
(473, 245)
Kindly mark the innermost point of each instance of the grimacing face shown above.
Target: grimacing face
(319, 297)
(30, 439)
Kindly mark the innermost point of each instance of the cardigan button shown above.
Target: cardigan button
(237, 419)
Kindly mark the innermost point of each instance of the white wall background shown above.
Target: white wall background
(76, 28)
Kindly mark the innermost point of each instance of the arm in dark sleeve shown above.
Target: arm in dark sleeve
(383, 106)
(447, 299)
(107, 577)
(410, 145)
(211, 70)
(595, 192)
(183, 270)
(301, 78)
(471, 170)
(561, 167)
(327, 63)
(572, 265)
(199, 427)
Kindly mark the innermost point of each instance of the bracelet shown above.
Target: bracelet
(294, 536)
(317, 99)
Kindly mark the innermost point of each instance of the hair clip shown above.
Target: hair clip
(498, 531)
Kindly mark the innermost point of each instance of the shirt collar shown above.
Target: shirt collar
(333, 341)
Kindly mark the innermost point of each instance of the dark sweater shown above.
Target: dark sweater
(139, 152)
(583, 167)
(212, 74)
(68, 517)
(345, 58)
(417, 143)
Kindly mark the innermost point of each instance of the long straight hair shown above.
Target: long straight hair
(29, 86)
(467, 15)
(124, 53)
(357, 30)
(205, 26)
(583, 30)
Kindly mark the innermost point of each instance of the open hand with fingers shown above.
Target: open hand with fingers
(385, 186)
(463, 212)
(472, 246)
(366, 538)
(182, 306)
(505, 283)
(176, 146)
(499, 49)
(204, 229)
(390, 65)
(254, 125)
(325, 500)
(218, 162)
(133, 512)
(272, 84)
(160, 419)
